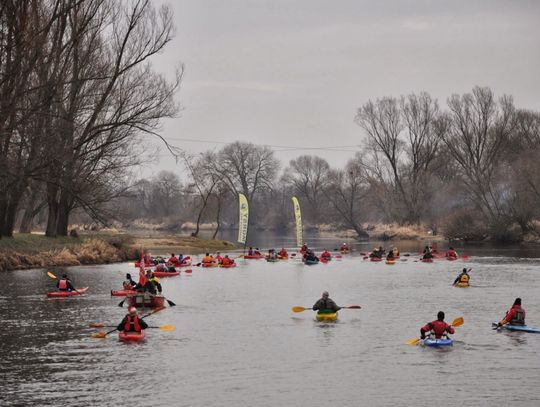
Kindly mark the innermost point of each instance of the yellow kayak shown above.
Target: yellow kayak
(462, 285)
(327, 317)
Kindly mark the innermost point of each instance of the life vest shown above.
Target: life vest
(208, 259)
(283, 253)
(464, 278)
(438, 328)
(518, 318)
(132, 324)
(226, 261)
(63, 284)
(127, 285)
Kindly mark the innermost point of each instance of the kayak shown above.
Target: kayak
(438, 342)
(60, 294)
(311, 262)
(390, 262)
(462, 285)
(131, 336)
(227, 266)
(344, 251)
(327, 317)
(326, 258)
(122, 293)
(209, 264)
(254, 256)
(283, 257)
(186, 263)
(521, 328)
(427, 260)
(375, 259)
(146, 300)
(451, 258)
(166, 273)
(272, 260)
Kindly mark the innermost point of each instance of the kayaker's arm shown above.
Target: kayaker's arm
(120, 326)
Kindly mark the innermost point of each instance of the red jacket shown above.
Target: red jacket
(516, 316)
(438, 327)
(132, 320)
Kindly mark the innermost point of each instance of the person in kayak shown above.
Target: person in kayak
(325, 305)
(427, 253)
(132, 322)
(326, 255)
(272, 255)
(208, 259)
(395, 252)
(129, 284)
(152, 285)
(390, 255)
(377, 252)
(64, 284)
(283, 253)
(257, 252)
(310, 256)
(218, 258)
(437, 327)
(173, 262)
(451, 253)
(514, 316)
(304, 248)
(463, 278)
(250, 251)
(344, 247)
(227, 261)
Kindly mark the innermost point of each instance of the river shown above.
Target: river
(238, 343)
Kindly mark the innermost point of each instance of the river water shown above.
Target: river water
(238, 343)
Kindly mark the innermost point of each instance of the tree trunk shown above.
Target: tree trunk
(217, 218)
(62, 222)
(52, 218)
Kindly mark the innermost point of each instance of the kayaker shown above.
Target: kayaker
(514, 316)
(344, 247)
(181, 258)
(129, 284)
(395, 252)
(310, 256)
(227, 261)
(326, 255)
(437, 327)
(377, 252)
(132, 322)
(152, 285)
(218, 258)
(208, 259)
(283, 253)
(250, 251)
(272, 254)
(451, 252)
(304, 248)
(173, 261)
(463, 278)
(390, 255)
(325, 304)
(257, 252)
(64, 284)
(427, 253)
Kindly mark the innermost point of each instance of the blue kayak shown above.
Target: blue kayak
(311, 262)
(521, 328)
(438, 342)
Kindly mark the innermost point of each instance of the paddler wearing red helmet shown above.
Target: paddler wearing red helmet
(132, 322)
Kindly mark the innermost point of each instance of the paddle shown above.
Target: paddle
(51, 275)
(162, 327)
(300, 309)
(171, 304)
(455, 323)
(102, 335)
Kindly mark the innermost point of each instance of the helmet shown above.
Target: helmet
(132, 310)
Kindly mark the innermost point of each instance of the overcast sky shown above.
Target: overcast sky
(294, 72)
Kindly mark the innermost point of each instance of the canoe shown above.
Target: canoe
(253, 256)
(462, 285)
(227, 266)
(311, 262)
(427, 260)
(375, 259)
(146, 300)
(131, 336)
(60, 294)
(272, 260)
(390, 262)
(438, 342)
(327, 317)
(522, 328)
(166, 273)
(209, 264)
(122, 293)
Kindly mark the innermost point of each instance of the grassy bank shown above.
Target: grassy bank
(35, 250)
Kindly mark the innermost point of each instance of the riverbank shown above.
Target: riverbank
(25, 251)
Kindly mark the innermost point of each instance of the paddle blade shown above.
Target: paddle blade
(167, 328)
(413, 341)
(171, 304)
(353, 307)
(96, 325)
(458, 321)
(299, 309)
(99, 335)
(51, 275)
(188, 271)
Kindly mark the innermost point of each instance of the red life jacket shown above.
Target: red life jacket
(62, 284)
(132, 324)
(439, 328)
(518, 318)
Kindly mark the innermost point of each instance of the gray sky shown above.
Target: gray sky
(293, 72)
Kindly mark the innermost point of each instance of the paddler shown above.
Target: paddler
(283, 253)
(437, 327)
(227, 261)
(218, 258)
(514, 316)
(64, 284)
(344, 247)
(173, 261)
(326, 255)
(451, 253)
(272, 254)
(325, 305)
(152, 285)
(304, 248)
(129, 284)
(395, 252)
(463, 278)
(208, 259)
(427, 253)
(250, 251)
(132, 322)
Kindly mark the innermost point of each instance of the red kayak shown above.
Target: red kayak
(451, 258)
(185, 263)
(60, 294)
(209, 265)
(146, 300)
(375, 259)
(131, 336)
(122, 293)
(227, 266)
(427, 260)
(166, 273)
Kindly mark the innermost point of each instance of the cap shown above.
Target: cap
(132, 310)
